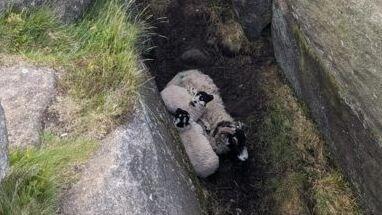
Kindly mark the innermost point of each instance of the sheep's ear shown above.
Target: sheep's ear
(179, 111)
(209, 98)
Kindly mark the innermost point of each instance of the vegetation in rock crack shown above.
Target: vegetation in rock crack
(36, 176)
(303, 179)
(100, 55)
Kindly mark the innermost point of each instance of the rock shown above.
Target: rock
(232, 37)
(66, 10)
(254, 15)
(330, 51)
(3, 145)
(25, 92)
(69, 11)
(195, 57)
(141, 168)
(2, 5)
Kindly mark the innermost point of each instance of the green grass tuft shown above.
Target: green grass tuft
(331, 195)
(276, 136)
(100, 58)
(100, 55)
(37, 175)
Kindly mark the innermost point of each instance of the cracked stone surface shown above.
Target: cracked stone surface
(25, 93)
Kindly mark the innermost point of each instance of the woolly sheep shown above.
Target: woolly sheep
(194, 79)
(227, 133)
(202, 156)
(176, 97)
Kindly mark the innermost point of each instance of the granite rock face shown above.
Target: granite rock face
(140, 169)
(254, 15)
(66, 10)
(3, 145)
(331, 52)
(25, 92)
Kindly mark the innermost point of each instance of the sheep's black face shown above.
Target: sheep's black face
(181, 118)
(202, 98)
(235, 138)
(237, 144)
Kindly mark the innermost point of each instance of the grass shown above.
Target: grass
(37, 175)
(100, 56)
(97, 59)
(302, 179)
(332, 196)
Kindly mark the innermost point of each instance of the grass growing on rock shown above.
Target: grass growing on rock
(97, 59)
(100, 55)
(36, 176)
(302, 179)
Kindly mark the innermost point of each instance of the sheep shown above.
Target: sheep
(195, 79)
(203, 158)
(228, 135)
(176, 97)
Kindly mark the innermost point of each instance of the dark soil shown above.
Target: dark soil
(236, 187)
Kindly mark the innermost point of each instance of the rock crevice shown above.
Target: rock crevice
(334, 67)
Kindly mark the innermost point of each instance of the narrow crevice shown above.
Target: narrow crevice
(235, 188)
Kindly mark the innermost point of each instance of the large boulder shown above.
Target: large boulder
(26, 92)
(331, 52)
(66, 10)
(254, 15)
(140, 169)
(3, 145)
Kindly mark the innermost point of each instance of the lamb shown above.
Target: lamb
(228, 135)
(176, 97)
(202, 156)
(195, 79)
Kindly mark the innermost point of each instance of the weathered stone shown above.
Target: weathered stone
(25, 92)
(140, 169)
(232, 37)
(254, 15)
(2, 5)
(331, 53)
(195, 57)
(66, 10)
(3, 145)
